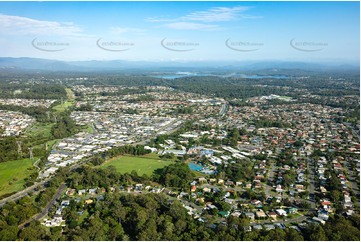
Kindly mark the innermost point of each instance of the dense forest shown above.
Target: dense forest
(64, 126)
(8, 149)
(31, 91)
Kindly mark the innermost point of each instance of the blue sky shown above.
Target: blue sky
(181, 31)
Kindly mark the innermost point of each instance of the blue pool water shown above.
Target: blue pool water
(195, 167)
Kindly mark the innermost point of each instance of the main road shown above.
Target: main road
(26, 191)
(37, 186)
(223, 109)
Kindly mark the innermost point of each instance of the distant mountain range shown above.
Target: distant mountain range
(36, 64)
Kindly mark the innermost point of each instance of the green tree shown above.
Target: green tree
(293, 235)
(9, 233)
(33, 232)
(317, 233)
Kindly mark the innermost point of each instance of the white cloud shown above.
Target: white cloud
(191, 26)
(27, 26)
(158, 20)
(124, 30)
(217, 14)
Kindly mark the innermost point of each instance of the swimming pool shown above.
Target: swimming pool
(195, 167)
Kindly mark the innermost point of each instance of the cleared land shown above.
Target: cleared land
(70, 94)
(286, 98)
(12, 175)
(140, 164)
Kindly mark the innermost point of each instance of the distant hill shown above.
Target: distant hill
(34, 64)
(25, 63)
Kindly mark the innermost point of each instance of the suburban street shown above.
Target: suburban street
(287, 221)
(351, 180)
(270, 178)
(48, 206)
(311, 179)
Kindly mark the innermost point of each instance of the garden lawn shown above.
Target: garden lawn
(12, 175)
(142, 165)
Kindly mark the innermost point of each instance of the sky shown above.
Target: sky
(181, 31)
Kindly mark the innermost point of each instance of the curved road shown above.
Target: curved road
(223, 109)
(46, 209)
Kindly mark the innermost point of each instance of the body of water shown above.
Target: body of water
(175, 76)
(260, 76)
(195, 167)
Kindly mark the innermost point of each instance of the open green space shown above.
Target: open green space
(66, 103)
(51, 143)
(83, 217)
(198, 174)
(141, 164)
(12, 175)
(151, 156)
(62, 107)
(70, 94)
(88, 128)
(40, 130)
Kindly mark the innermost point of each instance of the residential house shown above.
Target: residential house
(138, 187)
(279, 189)
(81, 192)
(269, 226)
(318, 220)
(93, 191)
(70, 192)
(281, 212)
(257, 226)
(272, 215)
(292, 210)
(261, 214)
(206, 190)
(250, 215)
(224, 214)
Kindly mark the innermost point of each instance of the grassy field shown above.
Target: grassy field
(13, 174)
(141, 164)
(88, 128)
(69, 93)
(67, 103)
(62, 107)
(40, 130)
